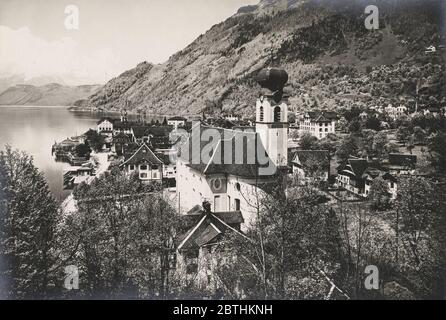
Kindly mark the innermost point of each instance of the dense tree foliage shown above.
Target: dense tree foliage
(28, 228)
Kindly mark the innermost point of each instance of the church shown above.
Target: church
(230, 169)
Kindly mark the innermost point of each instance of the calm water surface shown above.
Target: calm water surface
(35, 129)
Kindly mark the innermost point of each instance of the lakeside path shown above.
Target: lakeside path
(69, 205)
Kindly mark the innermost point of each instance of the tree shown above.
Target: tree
(380, 142)
(83, 150)
(347, 148)
(165, 121)
(95, 140)
(437, 151)
(28, 228)
(402, 134)
(308, 142)
(125, 230)
(354, 126)
(293, 241)
(373, 123)
(419, 135)
(379, 194)
(421, 228)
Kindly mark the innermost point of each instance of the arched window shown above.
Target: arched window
(277, 114)
(261, 114)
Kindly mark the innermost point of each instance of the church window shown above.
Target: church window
(277, 114)
(261, 113)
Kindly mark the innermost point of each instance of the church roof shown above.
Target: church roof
(232, 153)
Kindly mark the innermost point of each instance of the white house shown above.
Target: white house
(177, 122)
(145, 163)
(105, 126)
(318, 123)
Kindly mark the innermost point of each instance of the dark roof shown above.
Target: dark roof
(208, 228)
(309, 157)
(402, 159)
(103, 119)
(156, 131)
(358, 166)
(122, 125)
(355, 167)
(243, 162)
(143, 155)
(177, 119)
(322, 116)
(122, 137)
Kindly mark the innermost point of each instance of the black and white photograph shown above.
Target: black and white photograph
(222, 150)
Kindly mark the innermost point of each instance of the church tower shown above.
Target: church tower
(272, 114)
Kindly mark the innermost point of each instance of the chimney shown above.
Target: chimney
(206, 207)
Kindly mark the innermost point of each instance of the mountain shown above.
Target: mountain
(52, 94)
(332, 59)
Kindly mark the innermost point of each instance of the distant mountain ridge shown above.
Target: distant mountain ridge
(52, 94)
(332, 59)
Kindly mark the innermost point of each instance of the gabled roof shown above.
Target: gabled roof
(234, 152)
(143, 155)
(307, 158)
(358, 166)
(156, 131)
(354, 167)
(208, 228)
(322, 116)
(177, 119)
(105, 119)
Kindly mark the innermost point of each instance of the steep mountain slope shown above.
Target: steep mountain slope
(48, 95)
(332, 59)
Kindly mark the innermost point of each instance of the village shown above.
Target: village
(216, 195)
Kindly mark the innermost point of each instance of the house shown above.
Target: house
(318, 123)
(232, 118)
(155, 136)
(120, 142)
(141, 134)
(371, 174)
(177, 122)
(75, 175)
(401, 111)
(350, 176)
(105, 126)
(231, 168)
(122, 127)
(401, 164)
(357, 177)
(430, 49)
(307, 163)
(145, 163)
(197, 256)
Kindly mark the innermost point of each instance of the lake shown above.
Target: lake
(35, 129)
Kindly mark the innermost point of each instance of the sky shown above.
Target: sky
(111, 35)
